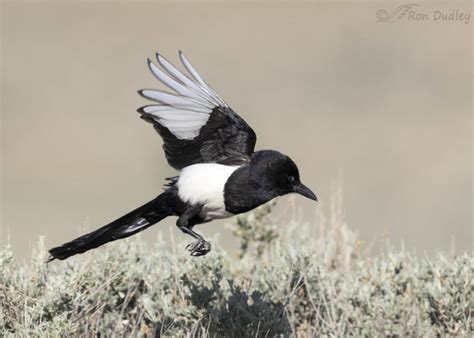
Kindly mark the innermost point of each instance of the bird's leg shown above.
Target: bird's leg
(200, 247)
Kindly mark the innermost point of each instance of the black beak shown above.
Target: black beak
(305, 191)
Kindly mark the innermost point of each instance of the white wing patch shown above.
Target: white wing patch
(185, 112)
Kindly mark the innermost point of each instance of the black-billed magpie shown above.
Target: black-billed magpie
(213, 148)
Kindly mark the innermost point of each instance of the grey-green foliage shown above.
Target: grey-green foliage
(287, 281)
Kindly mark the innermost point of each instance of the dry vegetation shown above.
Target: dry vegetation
(285, 281)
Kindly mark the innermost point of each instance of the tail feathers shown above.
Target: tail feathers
(128, 225)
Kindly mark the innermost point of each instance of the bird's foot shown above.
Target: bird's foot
(199, 247)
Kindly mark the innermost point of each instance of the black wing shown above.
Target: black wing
(196, 125)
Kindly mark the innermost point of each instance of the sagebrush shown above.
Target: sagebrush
(292, 280)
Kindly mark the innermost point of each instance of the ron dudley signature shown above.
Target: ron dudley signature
(414, 12)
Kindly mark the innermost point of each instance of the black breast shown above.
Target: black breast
(241, 194)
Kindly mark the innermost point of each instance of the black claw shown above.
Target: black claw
(198, 248)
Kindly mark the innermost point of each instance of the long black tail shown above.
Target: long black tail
(128, 225)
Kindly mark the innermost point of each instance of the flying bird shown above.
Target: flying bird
(220, 173)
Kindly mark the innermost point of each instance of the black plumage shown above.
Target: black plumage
(226, 138)
(213, 147)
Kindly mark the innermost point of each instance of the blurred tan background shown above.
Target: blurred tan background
(384, 107)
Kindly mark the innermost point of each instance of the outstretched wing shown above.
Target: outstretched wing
(196, 125)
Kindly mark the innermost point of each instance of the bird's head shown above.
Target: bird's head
(277, 173)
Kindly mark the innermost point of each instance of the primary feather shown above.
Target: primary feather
(196, 124)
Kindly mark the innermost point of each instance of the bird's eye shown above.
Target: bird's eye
(291, 178)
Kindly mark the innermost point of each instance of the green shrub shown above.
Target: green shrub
(289, 281)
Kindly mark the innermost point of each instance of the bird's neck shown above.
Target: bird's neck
(242, 194)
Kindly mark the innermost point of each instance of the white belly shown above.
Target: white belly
(204, 184)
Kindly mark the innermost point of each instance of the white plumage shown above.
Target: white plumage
(204, 184)
(184, 124)
(187, 111)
